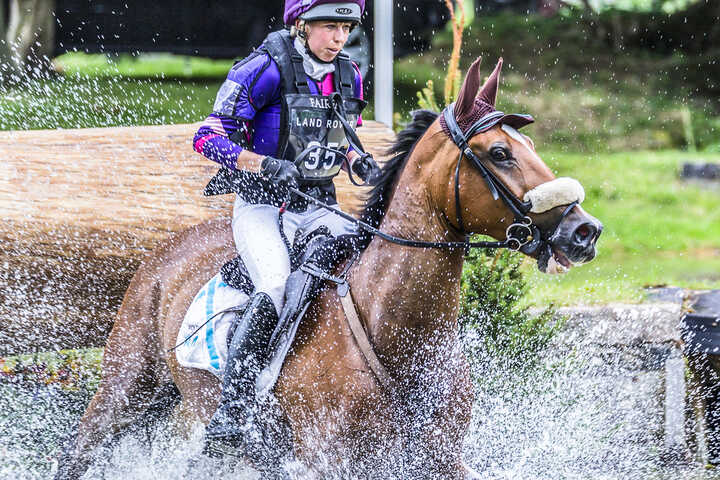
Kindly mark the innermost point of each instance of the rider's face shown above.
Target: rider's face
(326, 38)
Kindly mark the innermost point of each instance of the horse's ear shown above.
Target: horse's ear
(488, 94)
(466, 98)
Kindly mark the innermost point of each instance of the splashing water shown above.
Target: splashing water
(81, 101)
(591, 413)
(569, 424)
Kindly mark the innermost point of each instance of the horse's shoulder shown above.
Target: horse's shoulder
(325, 353)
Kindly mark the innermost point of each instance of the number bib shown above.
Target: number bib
(313, 122)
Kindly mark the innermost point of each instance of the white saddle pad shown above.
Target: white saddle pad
(205, 347)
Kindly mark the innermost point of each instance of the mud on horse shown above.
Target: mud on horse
(467, 171)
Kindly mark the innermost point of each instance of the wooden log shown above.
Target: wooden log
(80, 208)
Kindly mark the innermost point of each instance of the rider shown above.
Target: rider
(280, 116)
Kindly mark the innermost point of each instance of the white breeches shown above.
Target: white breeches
(258, 241)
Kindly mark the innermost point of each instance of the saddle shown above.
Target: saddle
(235, 274)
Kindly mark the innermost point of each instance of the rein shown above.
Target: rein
(400, 241)
(522, 232)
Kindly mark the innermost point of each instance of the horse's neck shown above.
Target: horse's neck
(408, 297)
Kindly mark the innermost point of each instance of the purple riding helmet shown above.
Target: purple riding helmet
(309, 10)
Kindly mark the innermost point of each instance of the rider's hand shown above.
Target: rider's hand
(367, 169)
(279, 171)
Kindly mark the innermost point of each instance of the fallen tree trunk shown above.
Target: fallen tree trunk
(80, 208)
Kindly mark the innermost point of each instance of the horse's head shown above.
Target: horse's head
(502, 188)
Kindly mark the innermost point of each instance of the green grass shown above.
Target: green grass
(659, 230)
(106, 91)
(74, 102)
(144, 65)
(102, 91)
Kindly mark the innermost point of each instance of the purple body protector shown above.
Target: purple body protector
(249, 105)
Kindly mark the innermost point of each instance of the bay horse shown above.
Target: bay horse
(407, 298)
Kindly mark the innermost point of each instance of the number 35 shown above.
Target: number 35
(312, 162)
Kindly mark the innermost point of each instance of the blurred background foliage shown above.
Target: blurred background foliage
(604, 79)
(598, 76)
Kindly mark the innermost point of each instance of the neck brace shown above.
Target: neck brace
(314, 68)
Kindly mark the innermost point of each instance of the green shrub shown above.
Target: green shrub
(497, 328)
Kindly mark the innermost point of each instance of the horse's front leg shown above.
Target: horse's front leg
(427, 457)
(127, 389)
(346, 434)
(434, 438)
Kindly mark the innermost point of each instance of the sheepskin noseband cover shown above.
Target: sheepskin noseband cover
(561, 191)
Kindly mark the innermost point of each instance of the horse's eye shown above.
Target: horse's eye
(499, 154)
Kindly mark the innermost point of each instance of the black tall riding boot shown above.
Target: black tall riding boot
(246, 358)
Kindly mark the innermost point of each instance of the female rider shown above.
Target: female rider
(275, 116)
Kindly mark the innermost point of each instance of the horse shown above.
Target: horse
(438, 186)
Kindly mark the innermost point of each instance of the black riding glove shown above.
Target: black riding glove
(283, 172)
(367, 169)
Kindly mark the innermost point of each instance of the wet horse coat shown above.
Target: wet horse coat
(342, 420)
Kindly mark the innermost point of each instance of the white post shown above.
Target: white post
(383, 61)
(675, 444)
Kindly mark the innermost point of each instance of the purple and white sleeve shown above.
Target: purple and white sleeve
(233, 112)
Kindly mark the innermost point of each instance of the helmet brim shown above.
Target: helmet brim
(336, 12)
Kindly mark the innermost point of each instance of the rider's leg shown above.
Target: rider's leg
(246, 357)
(265, 255)
(322, 254)
(258, 240)
(321, 257)
(262, 248)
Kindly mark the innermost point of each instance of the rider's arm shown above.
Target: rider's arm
(225, 135)
(212, 139)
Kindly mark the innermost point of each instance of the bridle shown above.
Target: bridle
(520, 232)
(522, 235)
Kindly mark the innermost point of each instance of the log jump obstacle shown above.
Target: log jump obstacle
(81, 207)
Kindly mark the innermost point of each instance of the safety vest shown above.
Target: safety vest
(308, 128)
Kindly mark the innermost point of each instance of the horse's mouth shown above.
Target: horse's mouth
(552, 261)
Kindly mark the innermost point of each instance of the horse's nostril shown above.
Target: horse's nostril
(585, 233)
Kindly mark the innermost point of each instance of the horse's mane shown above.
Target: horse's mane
(377, 200)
